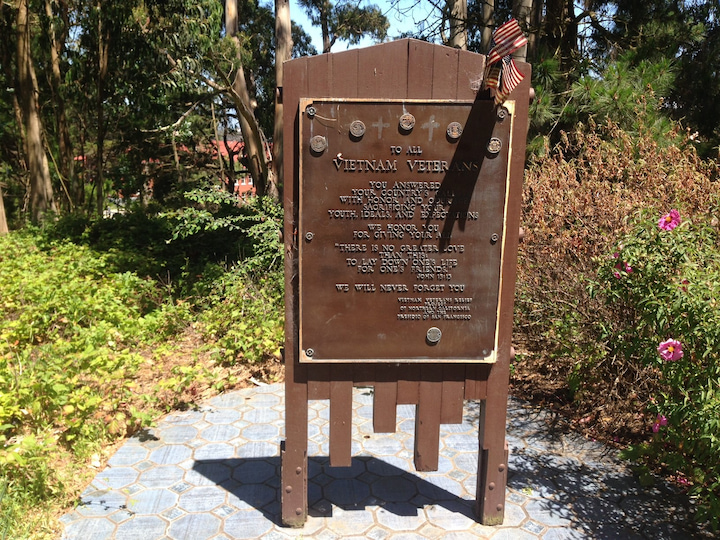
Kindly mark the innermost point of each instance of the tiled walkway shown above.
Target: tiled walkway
(213, 473)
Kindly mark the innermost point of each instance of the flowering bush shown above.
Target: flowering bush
(671, 323)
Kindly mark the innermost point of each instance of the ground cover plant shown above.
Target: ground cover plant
(601, 288)
(662, 286)
(90, 354)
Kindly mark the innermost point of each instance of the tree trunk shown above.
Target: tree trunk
(489, 25)
(458, 23)
(41, 192)
(252, 136)
(534, 31)
(325, 29)
(522, 11)
(3, 217)
(57, 44)
(283, 50)
(561, 31)
(103, 49)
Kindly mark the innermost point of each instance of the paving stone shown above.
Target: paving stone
(128, 455)
(513, 534)
(349, 523)
(195, 526)
(402, 517)
(183, 418)
(394, 489)
(346, 491)
(253, 449)
(564, 533)
(152, 501)
(176, 435)
(101, 503)
(447, 519)
(222, 432)
(222, 416)
(207, 473)
(254, 471)
(261, 432)
(89, 528)
(118, 477)
(514, 515)
(202, 499)
(251, 496)
(164, 476)
(214, 473)
(142, 528)
(549, 513)
(171, 454)
(214, 451)
(242, 525)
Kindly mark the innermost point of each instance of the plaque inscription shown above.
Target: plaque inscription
(399, 230)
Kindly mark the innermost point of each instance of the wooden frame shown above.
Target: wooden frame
(404, 69)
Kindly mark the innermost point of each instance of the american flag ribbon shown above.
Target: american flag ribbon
(501, 73)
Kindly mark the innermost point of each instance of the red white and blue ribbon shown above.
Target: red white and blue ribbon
(501, 72)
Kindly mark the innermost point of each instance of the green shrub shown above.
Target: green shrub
(247, 317)
(662, 284)
(69, 327)
(245, 314)
(579, 201)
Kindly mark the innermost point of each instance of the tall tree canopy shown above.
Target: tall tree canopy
(103, 99)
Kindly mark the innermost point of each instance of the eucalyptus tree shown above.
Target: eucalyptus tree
(40, 187)
(346, 20)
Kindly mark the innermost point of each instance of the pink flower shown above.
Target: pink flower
(628, 268)
(660, 420)
(670, 350)
(669, 221)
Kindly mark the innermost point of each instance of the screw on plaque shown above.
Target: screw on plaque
(494, 238)
(357, 128)
(502, 113)
(494, 145)
(309, 236)
(309, 352)
(407, 122)
(318, 144)
(433, 335)
(310, 111)
(454, 130)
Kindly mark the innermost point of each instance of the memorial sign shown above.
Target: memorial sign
(402, 213)
(402, 190)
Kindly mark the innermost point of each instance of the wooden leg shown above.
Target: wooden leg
(385, 401)
(492, 450)
(427, 419)
(294, 467)
(341, 423)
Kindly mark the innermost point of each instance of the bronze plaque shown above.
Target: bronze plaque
(401, 229)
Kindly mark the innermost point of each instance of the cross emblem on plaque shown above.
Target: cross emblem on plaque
(431, 125)
(379, 125)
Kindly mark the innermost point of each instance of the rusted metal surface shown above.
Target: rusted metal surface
(404, 70)
(400, 230)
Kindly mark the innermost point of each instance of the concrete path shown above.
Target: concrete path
(213, 473)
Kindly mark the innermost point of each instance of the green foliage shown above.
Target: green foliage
(247, 316)
(347, 21)
(664, 284)
(628, 94)
(247, 319)
(68, 329)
